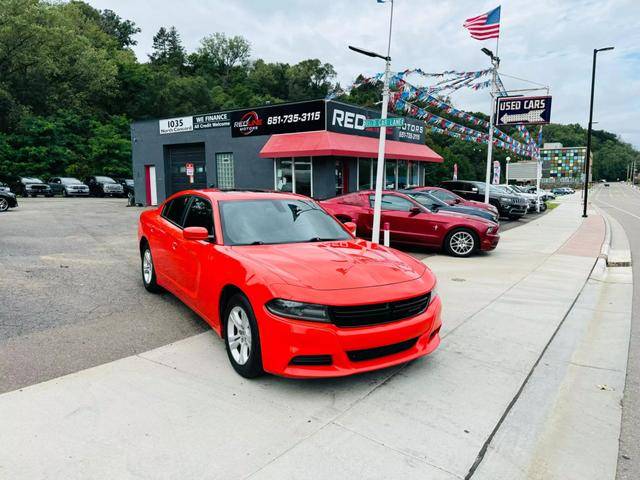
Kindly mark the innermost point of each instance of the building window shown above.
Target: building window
(391, 174)
(413, 175)
(365, 173)
(224, 164)
(294, 175)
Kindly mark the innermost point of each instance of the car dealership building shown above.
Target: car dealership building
(318, 148)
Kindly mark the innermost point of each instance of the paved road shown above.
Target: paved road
(623, 203)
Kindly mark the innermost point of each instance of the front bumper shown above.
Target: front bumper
(489, 241)
(349, 349)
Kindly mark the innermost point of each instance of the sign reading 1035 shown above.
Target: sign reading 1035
(523, 110)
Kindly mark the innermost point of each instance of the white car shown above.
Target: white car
(531, 198)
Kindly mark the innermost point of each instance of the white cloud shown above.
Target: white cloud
(548, 41)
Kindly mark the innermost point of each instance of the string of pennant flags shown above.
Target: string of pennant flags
(404, 94)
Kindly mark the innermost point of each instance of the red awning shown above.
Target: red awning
(323, 143)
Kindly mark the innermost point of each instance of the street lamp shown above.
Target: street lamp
(507, 172)
(377, 203)
(587, 160)
(495, 62)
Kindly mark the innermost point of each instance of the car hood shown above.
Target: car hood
(333, 265)
(474, 219)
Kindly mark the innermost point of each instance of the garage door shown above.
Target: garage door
(177, 158)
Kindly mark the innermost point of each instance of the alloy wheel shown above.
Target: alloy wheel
(239, 335)
(4, 205)
(147, 266)
(462, 243)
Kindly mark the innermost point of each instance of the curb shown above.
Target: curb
(605, 250)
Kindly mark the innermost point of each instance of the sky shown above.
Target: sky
(550, 42)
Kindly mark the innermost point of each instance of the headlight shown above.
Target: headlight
(491, 229)
(433, 294)
(299, 310)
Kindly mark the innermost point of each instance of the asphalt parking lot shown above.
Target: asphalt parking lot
(72, 295)
(71, 291)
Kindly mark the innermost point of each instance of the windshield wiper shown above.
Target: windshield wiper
(320, 239)
(257, 242)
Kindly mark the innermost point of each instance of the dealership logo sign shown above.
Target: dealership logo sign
(249, 123)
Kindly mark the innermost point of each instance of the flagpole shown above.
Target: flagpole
(495, 62)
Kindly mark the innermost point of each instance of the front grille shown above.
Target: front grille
(37, 187)
(311, 360)
(376, 313)
(377, 352)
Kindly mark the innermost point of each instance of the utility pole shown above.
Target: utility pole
(377, 202)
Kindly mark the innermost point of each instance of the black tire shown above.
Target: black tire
(4, 204)
(65, 193)
(461, 242)
(543, 207)
(149, 281)
(252, 366)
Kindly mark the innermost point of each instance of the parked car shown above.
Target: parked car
(289, 289)
(563, 191)
(531, 198)
(453, 199)
(101, 186)
(31, 187)
(7, 200)
(511, 206)
(127, 185)
(411, 223)
(68, 187)
(546, 195)
(436, 205)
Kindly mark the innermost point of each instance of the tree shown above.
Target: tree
(219, 54)
(310, 79)
(168, 49)
(122, 30)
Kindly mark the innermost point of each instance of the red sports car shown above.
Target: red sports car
(289, 288)
(451, 198)
(410, 222)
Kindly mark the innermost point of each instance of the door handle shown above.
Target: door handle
(174, 245)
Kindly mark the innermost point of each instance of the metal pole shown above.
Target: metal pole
(377, 202)
(490, 144)
(587, 160)
(538, 176)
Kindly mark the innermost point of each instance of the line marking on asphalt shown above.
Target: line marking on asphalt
(620, 209)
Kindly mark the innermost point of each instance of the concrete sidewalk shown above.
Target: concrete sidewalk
(180, 412)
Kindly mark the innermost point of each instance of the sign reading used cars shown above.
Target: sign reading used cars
(523, 110)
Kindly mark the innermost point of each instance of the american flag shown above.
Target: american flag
(485, 26)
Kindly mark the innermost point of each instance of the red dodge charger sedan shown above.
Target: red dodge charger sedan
(288, 287)
(411, 223)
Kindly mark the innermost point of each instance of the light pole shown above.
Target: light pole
(507, 170)
(377, 202)
(495, 61)
(588, 159)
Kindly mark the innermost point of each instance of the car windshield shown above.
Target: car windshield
(105, 180)
(129, 182)
(70, 181)
(31, 180)
(269, 221)
(426, 199)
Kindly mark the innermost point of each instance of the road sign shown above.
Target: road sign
(190, 171)
(386, 122)
(523, 110)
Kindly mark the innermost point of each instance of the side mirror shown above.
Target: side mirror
(352, 227)
(195, 233)
(415, 210)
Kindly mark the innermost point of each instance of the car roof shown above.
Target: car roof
(221, 195)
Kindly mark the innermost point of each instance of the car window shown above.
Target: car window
(173, 211)
(105, 180)
(425, 200)
(393, 202)
(200, 214)
(442, 195)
